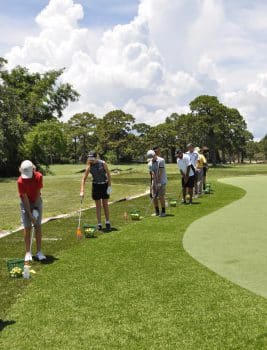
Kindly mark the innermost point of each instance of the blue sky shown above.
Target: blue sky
(147, 57)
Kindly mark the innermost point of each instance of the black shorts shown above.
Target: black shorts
(190, 183)
(99, 191)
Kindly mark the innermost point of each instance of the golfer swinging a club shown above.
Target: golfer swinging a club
(101, 186)
(29, 185)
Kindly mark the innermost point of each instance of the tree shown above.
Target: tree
(252, 148)
(263, 146)
(112, 134)
(37, 97)
(82, 128)
(225, 129)
(45, 143)
(25, 100)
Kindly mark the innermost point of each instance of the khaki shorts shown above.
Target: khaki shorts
(25, 220)
(159, 192)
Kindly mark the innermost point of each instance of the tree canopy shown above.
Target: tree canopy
(31, 105)
(27, 99)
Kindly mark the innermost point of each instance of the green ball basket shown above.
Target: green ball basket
(135, 215)
(89, 231)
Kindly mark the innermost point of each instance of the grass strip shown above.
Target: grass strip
(135, 288)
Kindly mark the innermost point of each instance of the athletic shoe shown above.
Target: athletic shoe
(162, 215)
(40, 256)
(28, 256)
(108, 226)
(99, 227)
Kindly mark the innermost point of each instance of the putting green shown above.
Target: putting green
(233, 240)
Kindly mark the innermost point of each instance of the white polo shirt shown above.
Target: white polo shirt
(194, 157)
(184, 163)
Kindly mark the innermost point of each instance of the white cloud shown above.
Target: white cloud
(171, 52)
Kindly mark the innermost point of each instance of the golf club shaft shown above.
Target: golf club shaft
(31, 240)
(80, 214)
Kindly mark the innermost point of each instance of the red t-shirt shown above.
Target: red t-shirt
(31, 186)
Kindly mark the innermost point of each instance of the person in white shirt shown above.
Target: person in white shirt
(194, 158)
(187, 173)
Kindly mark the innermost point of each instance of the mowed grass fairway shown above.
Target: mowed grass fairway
(134, 288)
(62, 189)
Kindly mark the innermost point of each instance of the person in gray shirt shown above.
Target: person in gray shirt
(156, 166)
(101, 186)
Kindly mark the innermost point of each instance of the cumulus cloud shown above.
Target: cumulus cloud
(171, 52)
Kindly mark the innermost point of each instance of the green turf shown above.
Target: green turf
(62, 189)
(135, 288)
(233, 240)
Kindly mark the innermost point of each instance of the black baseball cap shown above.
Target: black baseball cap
(178, 150)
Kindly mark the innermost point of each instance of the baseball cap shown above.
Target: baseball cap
(189, 145)
(26, 169)
(92, 155)
(150, 154)
(178, 150)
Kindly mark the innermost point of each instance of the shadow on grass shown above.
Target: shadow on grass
(4, 324)
(50, 259)
(113, 229)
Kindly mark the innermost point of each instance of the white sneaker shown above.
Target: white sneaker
(28, 256)
(40, 256)
(162, 215)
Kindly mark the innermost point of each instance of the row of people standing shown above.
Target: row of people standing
(192, 165)
(193, 168)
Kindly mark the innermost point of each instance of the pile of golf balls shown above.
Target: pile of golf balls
(16, 272)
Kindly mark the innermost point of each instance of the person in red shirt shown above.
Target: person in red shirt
(29, 186)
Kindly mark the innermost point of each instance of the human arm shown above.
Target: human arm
(108, 174)
(25, 200)
(87, 170)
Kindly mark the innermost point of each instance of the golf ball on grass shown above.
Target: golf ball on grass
(16, 272)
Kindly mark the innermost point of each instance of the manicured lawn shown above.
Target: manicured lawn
(134, 288)
(62, 188)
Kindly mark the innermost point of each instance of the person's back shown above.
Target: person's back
(201, 161)
(98, 172)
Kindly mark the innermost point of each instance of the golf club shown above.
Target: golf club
(153, 194)
(35, 214)
(78, 230)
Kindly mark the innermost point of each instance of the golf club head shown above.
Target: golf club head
(35, 213)
(79, 233)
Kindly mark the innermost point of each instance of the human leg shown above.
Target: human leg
(156, 205)
(200, 181)
(162, 193)
(98, 211)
